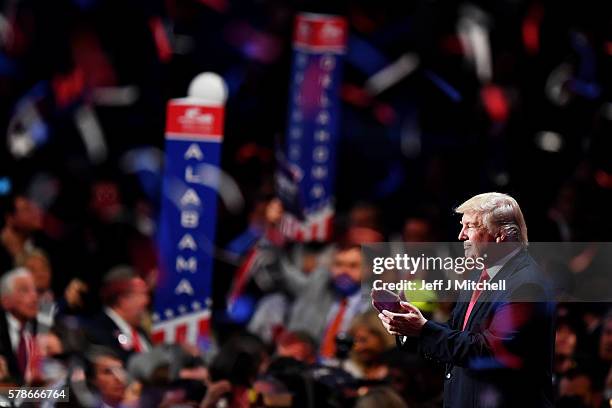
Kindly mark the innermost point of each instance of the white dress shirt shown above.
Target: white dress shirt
(126, 329)
(14, 329)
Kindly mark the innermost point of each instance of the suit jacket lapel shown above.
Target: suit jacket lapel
(5, 339)
(510, 266)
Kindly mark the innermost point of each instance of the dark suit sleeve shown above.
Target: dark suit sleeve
(495, 344)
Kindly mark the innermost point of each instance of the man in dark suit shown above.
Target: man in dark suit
(18, 325)
(497, 345)
(125, 297)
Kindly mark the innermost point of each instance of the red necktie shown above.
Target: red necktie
(475, 295)
(242, 275)
(328, 347)
(22, 352)
(136, 341)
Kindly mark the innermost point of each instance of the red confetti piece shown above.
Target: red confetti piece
(162, 43)
(531, 29)
(217, 5)
(451, 44)
(67, 88)
(385, 114)
(495, 103)
(355, 95)
(603, 179)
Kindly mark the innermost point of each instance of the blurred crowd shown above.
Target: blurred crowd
(296, 330)
(504, 95)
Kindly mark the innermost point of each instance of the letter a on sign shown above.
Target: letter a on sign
(184, 287)
(187, 242)
(194, 152)
(190, 197)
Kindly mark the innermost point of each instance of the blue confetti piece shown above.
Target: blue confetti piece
(7, 66)
(587, 65)
(37, 92)
(241, 310)
(85, 4)
(447, 88)
(40, 133)
(393, 182)
(586, 89)
(5, 186)
(234, 78)
(364, 56)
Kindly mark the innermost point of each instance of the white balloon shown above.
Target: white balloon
(209, 88)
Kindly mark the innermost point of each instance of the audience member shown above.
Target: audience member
(119, 327)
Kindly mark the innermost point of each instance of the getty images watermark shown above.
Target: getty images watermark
(411, 265)
(440, 271)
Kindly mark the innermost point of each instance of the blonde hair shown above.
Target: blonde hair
(24, 257)
(370, 321)
(499, 213)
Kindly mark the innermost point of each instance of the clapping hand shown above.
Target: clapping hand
(408, 323)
